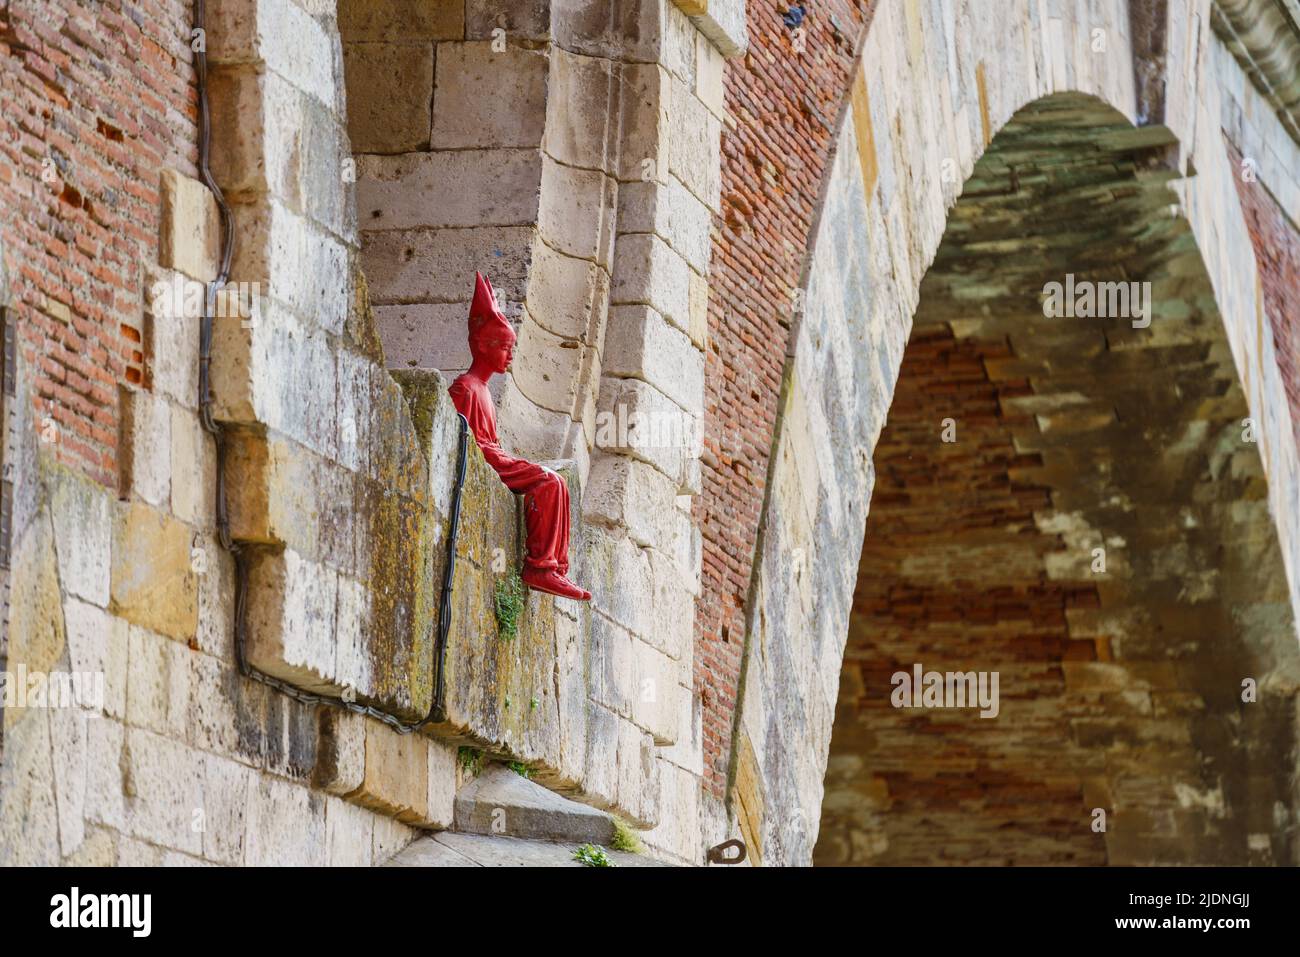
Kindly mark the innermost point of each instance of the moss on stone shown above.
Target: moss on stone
(625, 838)
(360, 327)
(509, 605)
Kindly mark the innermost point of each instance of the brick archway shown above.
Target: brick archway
(1091, 527)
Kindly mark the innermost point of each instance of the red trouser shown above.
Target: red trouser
(546, 514)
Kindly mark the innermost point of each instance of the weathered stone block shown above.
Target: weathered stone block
(680, 831)
(722, 21)
(580, 121)
(632, 495)
(390, 836)
(695, 146)
(188, 229)
(638, 776)
(567, 297)
(68, 746)
(437, 266)
(425, 336)
(285, 825)
(29, 829)
(709, 66)
(646, 99)
(640, 589)
(442, 784)
(291, 633)
(401, 21)
(638, 420)
(307, 269)
(227, 788)
(648, 272)
(687, 750)
(105, 803)
(520, 19)
(283, 36)
(158, 693)
(193, 461)
(396, 778)
(97, 644)
(390, 92)
(281, 494)
(553, 376)
(165, 790)
(144, 444)
(577, 211)
(349, 834)
(153, 582)
(500, 802)
(678, 53)
(489, 99)
(613, 666)
(464, 188)
(698, 324)
(670, 211)
(82, 514)
(246, 104)
(172, 346)
(640, 344)
(630, 31)
(38, 633)
(341, 756)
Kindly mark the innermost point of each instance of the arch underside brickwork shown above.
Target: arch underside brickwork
(1120, 684)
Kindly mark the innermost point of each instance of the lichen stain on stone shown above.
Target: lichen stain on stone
(403, 536)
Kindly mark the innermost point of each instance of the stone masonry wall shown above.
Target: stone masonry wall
(571, 151)
(339, 474)
(180, 760)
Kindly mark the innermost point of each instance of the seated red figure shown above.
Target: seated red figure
(546, 497)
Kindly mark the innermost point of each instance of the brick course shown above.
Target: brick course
(784, 108)
(1277, 253)
(99, 98)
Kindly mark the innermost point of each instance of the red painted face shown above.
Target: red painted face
(500, 353)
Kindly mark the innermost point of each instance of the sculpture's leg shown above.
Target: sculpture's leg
(546, 513)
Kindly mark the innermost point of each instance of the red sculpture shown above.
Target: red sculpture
(546, 497)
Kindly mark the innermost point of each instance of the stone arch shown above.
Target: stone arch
(1097, 534)
(880, 227)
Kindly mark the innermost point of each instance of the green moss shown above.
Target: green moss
(592, 856)
(625, 838)
(509, 606)
(471, 760)
(521, 769)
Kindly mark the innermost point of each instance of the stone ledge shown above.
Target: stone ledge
(724, 22)
(477, 850)
(502, 803)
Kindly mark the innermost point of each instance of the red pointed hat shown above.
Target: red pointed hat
(486, 322)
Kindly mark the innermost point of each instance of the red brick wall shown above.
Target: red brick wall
(100, 97)
(786, 106)
(951, 787)
(1277, 252)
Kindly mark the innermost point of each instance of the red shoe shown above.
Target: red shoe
(553, 583)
